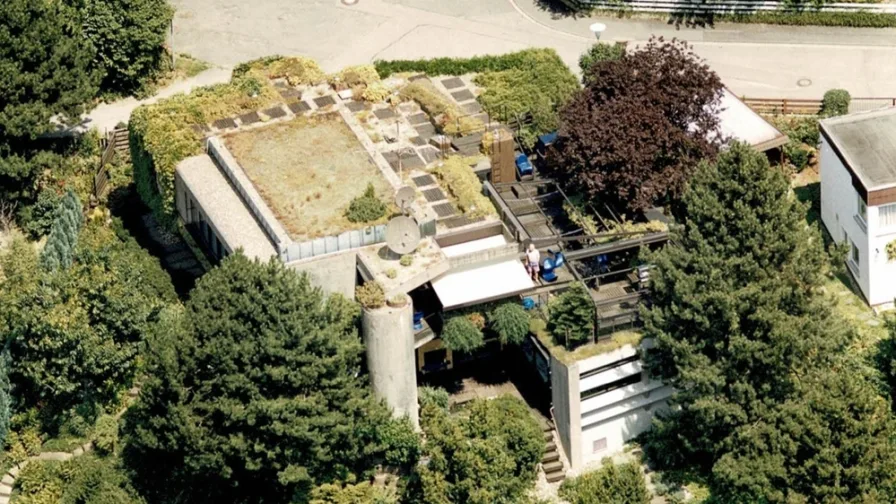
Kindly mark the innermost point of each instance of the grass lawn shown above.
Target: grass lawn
(848, 301)
(308, 170)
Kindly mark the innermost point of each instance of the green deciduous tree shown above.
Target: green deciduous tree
(486, 457)
(511, 322)
(571, 316)
(460, 334)
(633, 135)
(129, 38)
(611, 484)
(45, 67)
(600, 52)
(254, 393)
(75, 333)
(59, 251)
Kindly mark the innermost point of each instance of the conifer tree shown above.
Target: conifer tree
(60, 247)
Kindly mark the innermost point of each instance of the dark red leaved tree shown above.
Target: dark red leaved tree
(635, 133)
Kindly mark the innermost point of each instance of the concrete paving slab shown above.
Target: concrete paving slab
(463, 95)
(452, 83)
(299, 108)
(274, 112)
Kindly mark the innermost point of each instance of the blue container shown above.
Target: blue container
(528, 303)
(418, 320)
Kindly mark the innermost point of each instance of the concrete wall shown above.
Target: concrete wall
(599, 426)
(334, 273)
(839, 211)
(565, 404)
(389, 339)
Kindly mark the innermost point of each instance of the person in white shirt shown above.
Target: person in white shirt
(533, 258)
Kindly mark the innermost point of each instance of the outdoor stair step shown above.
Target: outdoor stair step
(552, 466)
(550, 446)
(551, 456)
(5, 491)
(548, 435)
(555, 477)
(547, 427)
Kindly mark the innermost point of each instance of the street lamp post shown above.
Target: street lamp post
(597, 29)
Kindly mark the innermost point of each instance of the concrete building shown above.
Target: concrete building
(597, 393)
(858, 197)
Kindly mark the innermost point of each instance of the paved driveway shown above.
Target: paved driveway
(752, 60)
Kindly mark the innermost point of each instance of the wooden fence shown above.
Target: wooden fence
(794, 106)
(115, 141)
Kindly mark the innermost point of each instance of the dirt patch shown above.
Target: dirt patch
(308, 170)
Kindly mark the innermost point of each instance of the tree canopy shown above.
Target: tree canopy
(129, 39)
(632, 136)
(486, 456)
(45, 67)
(74, 333)
(751, 345)
(254, 393)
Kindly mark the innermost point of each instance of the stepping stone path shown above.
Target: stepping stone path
(453, 83)
(299, 108)
(463, 95)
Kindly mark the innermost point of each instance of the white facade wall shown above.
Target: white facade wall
(875, 275)
(600, 425)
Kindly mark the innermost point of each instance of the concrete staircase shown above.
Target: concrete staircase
(550, 461)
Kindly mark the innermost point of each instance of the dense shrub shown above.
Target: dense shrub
(356, 75)
(813, 18)
(461, 335)
(796, 154)
(571, 317)
(83, 480)
(401, 442)
(297, 70)
(435, 396)
(370, 295)
(465, 186)
(802, 129)
(539, 88)
(105, 436)
(835, 103)
(486, 456)
(511, 322)
(359, 493)
(162, 134)
(600, 52)
(375, 92)
(37, 219)
(366, 208)
(611, 484)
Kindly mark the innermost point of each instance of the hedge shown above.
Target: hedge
(459, 66)
(813, 18)
(162, 134)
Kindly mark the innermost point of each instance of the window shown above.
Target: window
(863, 208)
(603, 389)
(887, 215)
(599, 445)
(854, 252)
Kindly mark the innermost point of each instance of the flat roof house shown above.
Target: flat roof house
(858, 196)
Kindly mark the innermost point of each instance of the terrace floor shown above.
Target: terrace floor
(308, 170)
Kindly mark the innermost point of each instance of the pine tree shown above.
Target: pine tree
(737, 312)
(60, 247)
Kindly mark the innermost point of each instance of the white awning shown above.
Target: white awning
(483, 283)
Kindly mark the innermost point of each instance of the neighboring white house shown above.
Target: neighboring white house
(858, 196)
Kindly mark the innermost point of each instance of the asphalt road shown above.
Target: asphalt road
(753, 60)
